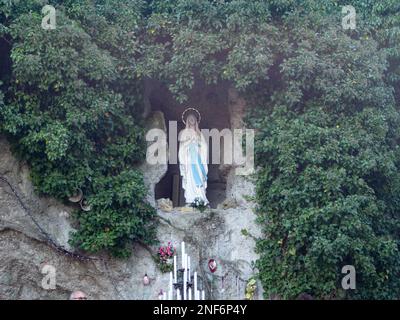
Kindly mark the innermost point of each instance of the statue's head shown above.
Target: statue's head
(191, 117)
(191, 120)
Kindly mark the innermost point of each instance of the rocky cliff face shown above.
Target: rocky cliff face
(24, 250)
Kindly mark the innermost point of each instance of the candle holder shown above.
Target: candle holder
(179, 284)
(183, 285)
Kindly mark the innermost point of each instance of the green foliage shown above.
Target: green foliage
(73, 112)
(325, 106)
(220, 40)
(328, 196)
(327, 128)
(119, 215)
(238, 40)
(329, 179)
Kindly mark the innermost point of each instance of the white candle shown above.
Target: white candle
(203, 295)
(184, 283)
(170, 281)
(175, 278)
(178, 294)
(188, 267)
(183, 254)
(169, 295)
(165, 296)
(184, 261)
(190, 294)
(195, 286)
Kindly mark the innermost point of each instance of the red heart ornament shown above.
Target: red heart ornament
(212, 265)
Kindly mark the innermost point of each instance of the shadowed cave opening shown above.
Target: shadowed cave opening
(212, 103)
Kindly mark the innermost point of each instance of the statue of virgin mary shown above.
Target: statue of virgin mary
(193, 155)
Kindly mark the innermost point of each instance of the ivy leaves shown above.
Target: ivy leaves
(323, 101)
(73, 110)
(321, 202)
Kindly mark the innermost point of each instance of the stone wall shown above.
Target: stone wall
(23, 250)
(239, 187)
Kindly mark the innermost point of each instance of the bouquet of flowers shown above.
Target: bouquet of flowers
(199, 204)
(165, 255)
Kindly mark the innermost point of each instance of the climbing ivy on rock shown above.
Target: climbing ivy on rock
(328, 195)
(329, 178)
(327, 128)
(325, 106)
(73, 112)
(324, 102)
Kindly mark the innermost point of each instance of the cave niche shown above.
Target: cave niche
(212, 102)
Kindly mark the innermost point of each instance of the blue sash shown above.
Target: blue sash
(198, 170)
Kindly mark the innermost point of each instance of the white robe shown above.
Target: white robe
(193, 154)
